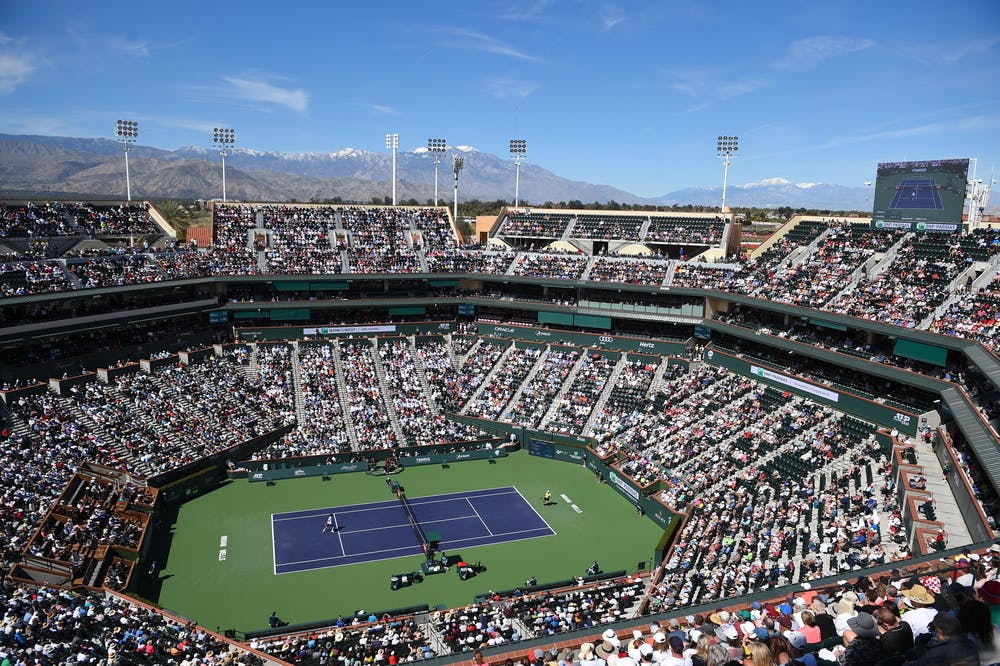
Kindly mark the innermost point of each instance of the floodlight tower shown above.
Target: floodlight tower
(127, 131)
(224, 138)
(436, 147)
(518, 150)
(457, 164)
(727, 148)
(392, 143)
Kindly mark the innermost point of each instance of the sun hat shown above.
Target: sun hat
(932, 583)
(727, 632)
(797, 638)
(586, 651)
(990, 592)
(863, 624)
(606, 649)
(918, 594)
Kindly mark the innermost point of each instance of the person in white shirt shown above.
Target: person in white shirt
(922, 612)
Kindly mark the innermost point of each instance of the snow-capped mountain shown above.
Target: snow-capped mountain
(92, 167)
(774, 193)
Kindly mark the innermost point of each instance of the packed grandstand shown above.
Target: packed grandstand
(702, 374)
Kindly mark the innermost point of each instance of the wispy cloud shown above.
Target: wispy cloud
(179, 122)
(137, 48)
(807, 53)
(378, 109)
(951, 52)
(33, 124)
(17, 63)
(15, 69)
(260, 90)
(709, 86)
(958, 126)
(473, 40)
(692, 82)
(611, 15)
(130, 44)
(524, 11)
(969, 124)
(735, 88)
(507, 88)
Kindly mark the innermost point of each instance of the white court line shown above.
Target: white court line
(406, 524)
(274, 547)
(386, 550)
(364, 552)
(480, 517)
(534, 529)
(544, 522)
(336, 527)
(505, 490)
(393, 506)
(392, 550)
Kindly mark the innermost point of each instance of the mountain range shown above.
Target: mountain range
(86, 167)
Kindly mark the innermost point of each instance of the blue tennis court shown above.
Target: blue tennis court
(917, 194)
(381, 530)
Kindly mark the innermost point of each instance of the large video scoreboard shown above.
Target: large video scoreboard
(920, 196)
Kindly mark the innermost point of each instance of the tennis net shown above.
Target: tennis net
(413, 521)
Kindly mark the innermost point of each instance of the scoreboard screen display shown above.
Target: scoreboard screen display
(920, 196)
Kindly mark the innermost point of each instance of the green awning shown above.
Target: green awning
(289, 314)
(592, 322)
(555, 318)
(291, 286)
(408, 310)
(827, 324)
(918, 351)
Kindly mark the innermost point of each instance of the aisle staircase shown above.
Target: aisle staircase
(501, 362)
(602, 399)
(345, 406)
(553, 409)
(386, 395)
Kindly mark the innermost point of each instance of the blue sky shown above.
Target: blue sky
(629, 94)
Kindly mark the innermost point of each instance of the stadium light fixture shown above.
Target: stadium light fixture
(127, 131)
(727, 148)
(224, 138)
(457, 164)
(392, 143)
(518, 150)
(436, 147)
